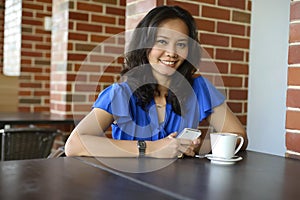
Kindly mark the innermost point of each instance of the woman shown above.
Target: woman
(159, 98)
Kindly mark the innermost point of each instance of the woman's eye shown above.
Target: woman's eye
(161, 42)
(181, 45)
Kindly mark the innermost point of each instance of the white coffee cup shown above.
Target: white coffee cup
(223, 145)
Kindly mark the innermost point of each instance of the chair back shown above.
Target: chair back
(27, 143)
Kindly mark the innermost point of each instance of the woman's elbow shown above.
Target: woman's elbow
(73, 146)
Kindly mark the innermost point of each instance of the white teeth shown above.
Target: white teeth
(168, 62)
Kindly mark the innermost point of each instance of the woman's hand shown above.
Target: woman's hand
(172, 147)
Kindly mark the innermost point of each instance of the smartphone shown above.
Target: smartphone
(189, 133)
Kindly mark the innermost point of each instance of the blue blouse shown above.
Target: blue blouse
(134, 123)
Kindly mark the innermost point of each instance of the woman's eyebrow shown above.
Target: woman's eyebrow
(166, 37)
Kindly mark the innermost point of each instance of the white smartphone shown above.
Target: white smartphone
(189, 133)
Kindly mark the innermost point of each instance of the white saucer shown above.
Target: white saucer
(223, 161)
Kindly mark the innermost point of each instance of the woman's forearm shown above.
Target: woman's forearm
(99, 146)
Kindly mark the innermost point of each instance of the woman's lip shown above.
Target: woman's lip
(168, 62)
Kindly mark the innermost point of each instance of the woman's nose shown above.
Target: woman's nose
(171, 51)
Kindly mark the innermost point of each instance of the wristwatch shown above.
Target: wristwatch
(141, 144)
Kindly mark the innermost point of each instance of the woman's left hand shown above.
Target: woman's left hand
(188, 147)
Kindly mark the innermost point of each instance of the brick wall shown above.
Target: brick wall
(293, 92)
(224, 34)
(34, 81)
(85, 57)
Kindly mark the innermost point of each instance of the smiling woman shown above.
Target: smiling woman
(158, 98)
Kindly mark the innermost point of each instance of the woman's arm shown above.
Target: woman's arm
(88, 139)
(223, 120)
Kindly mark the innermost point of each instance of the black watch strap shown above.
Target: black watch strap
(141, 144)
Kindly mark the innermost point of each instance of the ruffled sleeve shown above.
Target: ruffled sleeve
(208, 96)
(115, 99)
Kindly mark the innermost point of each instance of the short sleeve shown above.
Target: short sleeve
(208, 96)
(115, 99)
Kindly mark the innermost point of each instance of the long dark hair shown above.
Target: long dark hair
(143, 39)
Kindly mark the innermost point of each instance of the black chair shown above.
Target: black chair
(27, 143)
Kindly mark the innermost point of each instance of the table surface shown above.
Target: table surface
(18, 118)
(257, 176)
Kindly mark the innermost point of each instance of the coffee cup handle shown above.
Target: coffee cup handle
(240, 145)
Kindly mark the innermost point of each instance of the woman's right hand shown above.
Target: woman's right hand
(168, 147)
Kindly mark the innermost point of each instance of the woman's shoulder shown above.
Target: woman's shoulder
(117, 88)
(116, 93)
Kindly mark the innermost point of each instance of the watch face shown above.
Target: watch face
(142, 144)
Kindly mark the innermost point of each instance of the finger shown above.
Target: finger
(183, 149)
(196, 141)
(190, 152)
(185, 142)
(172, 135)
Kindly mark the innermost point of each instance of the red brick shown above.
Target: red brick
(213, 67)
(240, 42)
(293, 76)
(103, 78)
(115, 11)
(42, 78)
(231, 81)
(240, 94)
(78, 16)
(243, 119)
(41, 108)
(76, 57)
(113, 69)
(114, 30)
(215, 40)
(85, 87)
(293, 98)
(228, 54)
(41, 93)
(235, 107)
(207, 1)
(205, 25)
(241, 4)
(294, 52)
(101, 58)
(103, 19)
(114, 50)
(82, 108)
(295, 11)
(78, 36)
(293, 120)
(31, 6)
(89, 27)
(242, 17)
(89, 7)
(32, 38)
(294, 33)
(192, 8)
(43, 47)
(215, 13)
(98, 38)
(292, 142)
(233, 29)
(237, 68)
(31, 54)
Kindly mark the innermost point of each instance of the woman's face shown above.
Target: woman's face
(170, 48)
